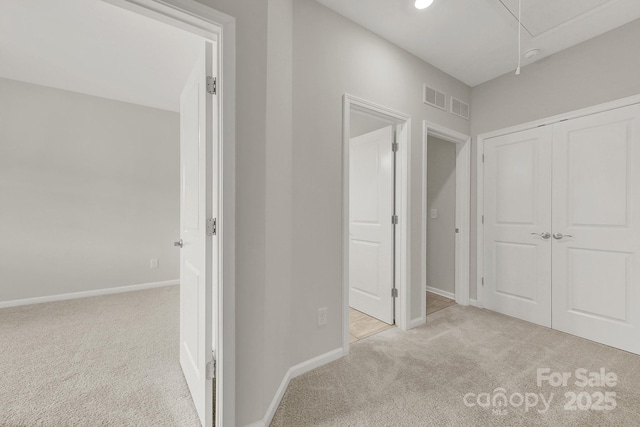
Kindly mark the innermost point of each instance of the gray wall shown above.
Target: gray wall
(279, 197)
(441, 195)
(332, 55)
(89, 190)
(263, 239)
(602, 69)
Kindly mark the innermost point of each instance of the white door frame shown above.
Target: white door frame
(402, 254)
(208, 23)
(624, 102)
(463, 210)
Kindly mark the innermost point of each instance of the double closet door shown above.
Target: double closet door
(562, 226)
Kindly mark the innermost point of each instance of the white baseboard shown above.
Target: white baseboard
(86, 294)
(416, 322)
(293, 372)
(323, 359)
(442, 293)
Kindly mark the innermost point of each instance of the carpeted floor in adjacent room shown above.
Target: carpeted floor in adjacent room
(421, 378)
(102, 361)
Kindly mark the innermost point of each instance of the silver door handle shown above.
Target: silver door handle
(560, 236)
(179, 243)
(544, 235)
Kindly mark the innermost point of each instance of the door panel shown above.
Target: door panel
(588, 271)
(516, 182)
(517, 204)
(370, 228)
(197, 275)
(520, 282)
(596, 202)
(596, 161)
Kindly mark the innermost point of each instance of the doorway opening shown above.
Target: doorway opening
(375, 251)
(115, 120)
(446, 192)
(207, 196)
(441, 223)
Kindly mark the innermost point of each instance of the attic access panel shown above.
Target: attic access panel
(540, 16)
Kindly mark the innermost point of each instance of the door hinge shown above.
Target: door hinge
(483, 281)
(212, 226)
(212, 85)
(395, 147)
(457, 231)
(483, 158)
(394, 219)
(394, 293)
(483, 219)
(211, 367)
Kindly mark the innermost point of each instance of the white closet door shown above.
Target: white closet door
(596, 208)
(370, 227)
(517, 210)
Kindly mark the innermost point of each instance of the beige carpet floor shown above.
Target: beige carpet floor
(421, 377)
(103, 361)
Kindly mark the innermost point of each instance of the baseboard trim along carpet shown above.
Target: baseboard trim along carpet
(427, 376)
(86, 294)
(416, 322)
(442, 293)
(293, 372)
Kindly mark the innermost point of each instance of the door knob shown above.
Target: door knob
(544, 235)
(179, 243)
(560, 236)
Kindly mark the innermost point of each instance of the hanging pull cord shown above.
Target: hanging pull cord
(519, 37)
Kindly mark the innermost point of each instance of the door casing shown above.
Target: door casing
(402, 255)
(463, 212)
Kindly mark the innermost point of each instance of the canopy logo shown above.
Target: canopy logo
(499, 401)
(600, 397)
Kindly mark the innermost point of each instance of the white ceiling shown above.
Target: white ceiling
(476, 40)
(92, 47)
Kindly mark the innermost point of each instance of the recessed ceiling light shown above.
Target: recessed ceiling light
(423, 4)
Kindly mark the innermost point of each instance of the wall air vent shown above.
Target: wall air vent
(459, 108)
(435, 98)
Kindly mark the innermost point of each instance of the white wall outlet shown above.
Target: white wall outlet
(322, 316)
(154, 263)
(434, 213)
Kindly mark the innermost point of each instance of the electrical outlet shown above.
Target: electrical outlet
(322, 316)
(434, 213)
(154, 263)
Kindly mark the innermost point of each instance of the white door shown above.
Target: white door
(596, 211)
(198, 275)
(517, 217)
(370, 227)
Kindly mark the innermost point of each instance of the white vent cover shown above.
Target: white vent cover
(459, 108)
(435, 98)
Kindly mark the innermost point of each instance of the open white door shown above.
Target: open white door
(371, 202)
(198, 207)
